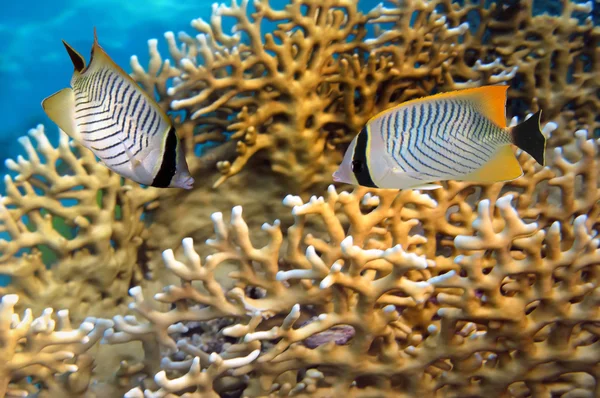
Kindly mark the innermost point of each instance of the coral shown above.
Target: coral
(380, 292)
(72, 229)
(35, 351)
(277, 300)
(394, 293)
(361, 311)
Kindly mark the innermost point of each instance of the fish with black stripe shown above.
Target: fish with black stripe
(106, 111)
(459, 135)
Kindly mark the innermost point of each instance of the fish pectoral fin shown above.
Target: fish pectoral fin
(60, 108)
(132, 159)
(415, 176)
(503, 166)
(427, 187)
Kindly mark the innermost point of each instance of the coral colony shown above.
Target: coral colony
(474, 290)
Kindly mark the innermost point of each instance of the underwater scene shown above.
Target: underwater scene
(300, 198)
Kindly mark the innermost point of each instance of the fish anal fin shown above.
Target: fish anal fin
(412, 180)
(503, 166)
(135, 163)
(60, 109)
(488, 100)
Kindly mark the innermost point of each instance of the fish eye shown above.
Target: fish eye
(356, 166)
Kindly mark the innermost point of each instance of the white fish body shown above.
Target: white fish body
(459, 135)
(107, 112)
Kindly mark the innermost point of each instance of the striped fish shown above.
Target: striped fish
(108, 113)
(460, 135)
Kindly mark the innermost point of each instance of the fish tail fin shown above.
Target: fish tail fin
(76, 58)
(528, 136)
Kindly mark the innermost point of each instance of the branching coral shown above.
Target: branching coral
(387, 293)
(73, 231)
(366, 278)
(400, 293)
(358, 312)
(33, 351)
(357, 296)
(338, 294)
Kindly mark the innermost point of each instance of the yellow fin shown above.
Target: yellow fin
(60, 108)
(489, 100)
(503, 166)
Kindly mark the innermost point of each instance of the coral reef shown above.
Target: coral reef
(34, 350)
(470, 290)
(363, 309)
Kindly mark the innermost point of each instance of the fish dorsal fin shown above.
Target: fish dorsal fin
(489, 100)
(100, 59)
(60, 108)
(503, 166)
(76, 58)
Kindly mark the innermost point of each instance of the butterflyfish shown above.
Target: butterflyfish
(458, 135)
(106, 111)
